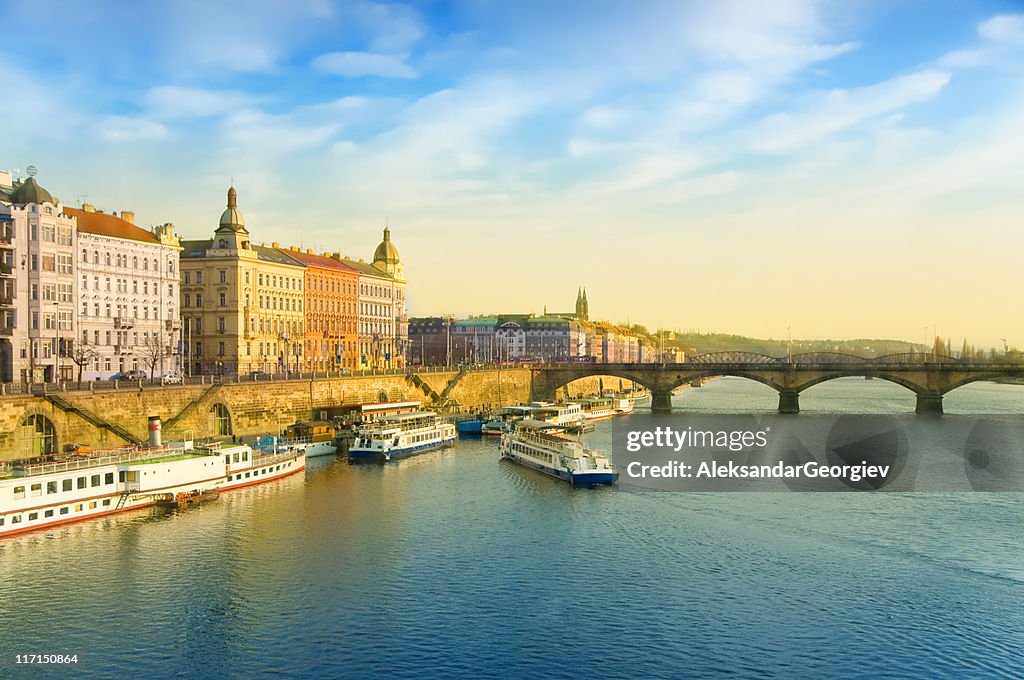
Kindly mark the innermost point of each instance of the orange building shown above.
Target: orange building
(332, 298)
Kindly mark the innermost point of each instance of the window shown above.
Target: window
(223, 276)
(188, 278)
(82, 482)
(36, 489)
(49, 232)
(66, 485)
(49, 263)
(108, 478)
(33, 516)
(64, 263)
(48, 513)
(223, 299)
(199, 277)
(51, 487)
(64, 510)
(19, 492)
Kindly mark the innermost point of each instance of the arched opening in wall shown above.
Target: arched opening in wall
(855, 394)
(36, 436)
(221, 420)
(382, 397)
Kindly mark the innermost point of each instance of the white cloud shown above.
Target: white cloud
(604, 117)
(128, 129)
(359, 64)
(170, 101)
(839, 110)
(1003, 28)
(729, 87)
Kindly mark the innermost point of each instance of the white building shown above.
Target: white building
(128, 292)
(37, 283)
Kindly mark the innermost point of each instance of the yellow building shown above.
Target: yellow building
(241, 304)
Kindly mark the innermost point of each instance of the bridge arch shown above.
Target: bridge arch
(723, 373)
(967, 380)
(899, 380)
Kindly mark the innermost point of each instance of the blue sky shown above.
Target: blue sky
(847, 169)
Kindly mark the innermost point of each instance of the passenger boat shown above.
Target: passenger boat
(505, 420)
(622, 403)
(400, 436)
(598, 408)
(559, 414)
(470, 426)
(315, 437)
(48, 490)
(547, 448)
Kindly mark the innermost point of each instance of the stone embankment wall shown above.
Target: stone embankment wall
(105, 419)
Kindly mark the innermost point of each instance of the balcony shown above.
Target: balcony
(6, 241)
(6, 269)
(6, 300)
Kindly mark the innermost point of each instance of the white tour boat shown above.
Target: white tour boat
(548, 449)
(56, 488)
(400, 436)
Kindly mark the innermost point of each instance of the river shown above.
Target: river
(454, 564)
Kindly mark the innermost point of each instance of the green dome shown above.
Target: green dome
(231, 219)
(386, 251)
(30, 192)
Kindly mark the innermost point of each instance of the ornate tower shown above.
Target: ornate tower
(231, 233)
(386, 259)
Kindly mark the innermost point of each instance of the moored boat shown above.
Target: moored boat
(400, 436)
(39, 492)
(315, 437)
(598, 408)
(548, 449)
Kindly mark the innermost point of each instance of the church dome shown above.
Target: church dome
(386, 251)
(30, 192)
(231, 219)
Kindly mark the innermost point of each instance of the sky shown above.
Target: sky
(837, 170)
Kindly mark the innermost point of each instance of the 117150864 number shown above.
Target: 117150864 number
(45, 658)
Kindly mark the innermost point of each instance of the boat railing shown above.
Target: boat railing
(81, 462)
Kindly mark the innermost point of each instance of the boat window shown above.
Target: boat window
(64, 510)
(68, 483)
(37, 490)
(109, 478)
(19, 492)
(95, 480)
(82, 482)
(51, 487)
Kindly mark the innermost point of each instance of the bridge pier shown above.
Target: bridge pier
(661, 401)
(789, 401)
(929, 403)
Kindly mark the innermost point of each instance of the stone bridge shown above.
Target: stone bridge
(928, 376)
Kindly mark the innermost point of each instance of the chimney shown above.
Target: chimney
(326, 254)
(154, 431)
(309, 251)
(275, 244)
(88, 207)
(128, 216)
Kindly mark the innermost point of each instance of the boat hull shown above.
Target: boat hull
(576, 479)
(361, 455)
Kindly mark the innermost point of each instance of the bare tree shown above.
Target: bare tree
(152, 353)
(82, 354)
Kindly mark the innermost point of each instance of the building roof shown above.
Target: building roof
(195, 248)
(272, 254)
(104, 224)
(366, 269)
(314, 260)
(30, 192)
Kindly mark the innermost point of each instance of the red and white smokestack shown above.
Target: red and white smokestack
(154, 431)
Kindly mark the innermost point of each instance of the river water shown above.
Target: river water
(454, 564)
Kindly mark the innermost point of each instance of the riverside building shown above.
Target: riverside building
(127, 302)
(37, 283)
(242, 304)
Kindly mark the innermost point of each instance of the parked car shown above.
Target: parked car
(134, 374)
(259, 375)
(171, 379)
